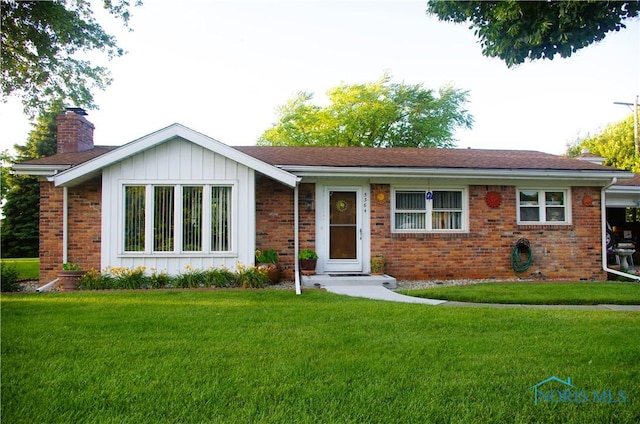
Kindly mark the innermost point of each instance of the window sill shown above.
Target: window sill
(178, 255)
(427, 236)
(545, 226)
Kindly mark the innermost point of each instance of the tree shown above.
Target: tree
(378, 114)
(41, 42)
(20, 230)
(615, 143)
(518, 30)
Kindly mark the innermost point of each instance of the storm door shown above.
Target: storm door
(344, 231)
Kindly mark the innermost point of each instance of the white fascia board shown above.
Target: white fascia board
(93, 166)
(38, 170)
(599, 177)
(623, 190)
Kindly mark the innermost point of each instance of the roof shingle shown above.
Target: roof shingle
(416, 158)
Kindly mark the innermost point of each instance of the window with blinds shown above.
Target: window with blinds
(220, 219)
(178, 220)
(134, 216)
(192, 219)
(426, 211)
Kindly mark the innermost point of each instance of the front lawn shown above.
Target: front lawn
(552, 293)
(268, 356)
(27, 268)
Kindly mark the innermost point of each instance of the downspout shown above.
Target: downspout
(296, 241)
(603, 218)
(65, 229)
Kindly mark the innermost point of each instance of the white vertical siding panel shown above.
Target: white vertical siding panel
(208, 165)
(139, 166)
(107, 230)
(151, 162)
(195, 166)
(185, 160)
(178, 160)
(173, 167)
(162, 162)
(219, 167)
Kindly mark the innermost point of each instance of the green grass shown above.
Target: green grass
(552, 293)
(28, 268)
(268, 356)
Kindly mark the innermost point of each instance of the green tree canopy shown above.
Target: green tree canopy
(378, 114)
(20, 230)
(518, 30)
(615, 143)
(40, 56)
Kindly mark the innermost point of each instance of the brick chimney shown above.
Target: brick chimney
(75, 133)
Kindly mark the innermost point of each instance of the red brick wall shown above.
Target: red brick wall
(83, 224)
(559, 252)
(275, 221)
(74, 133)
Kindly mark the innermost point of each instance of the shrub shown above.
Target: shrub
(92, 280)
(190, 279)
(306, 254)
(251, 277)
(268, 256)
(9, 278)
(219, 277)
(160, 280)
(126, 278)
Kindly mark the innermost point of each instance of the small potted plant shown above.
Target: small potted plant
(69, 276)
(267, 261)
(307, 260)
(378, 264)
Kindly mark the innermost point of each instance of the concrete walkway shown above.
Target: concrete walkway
(381, 293)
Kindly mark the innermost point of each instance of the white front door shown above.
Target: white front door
(342, 229)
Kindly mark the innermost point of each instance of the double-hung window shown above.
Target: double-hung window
(543, 206)
(177, 219)
(429, 210)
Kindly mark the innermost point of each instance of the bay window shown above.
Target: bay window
(175, 218)
(429, 211)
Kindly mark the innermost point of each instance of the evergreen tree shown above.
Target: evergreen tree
(20, 230)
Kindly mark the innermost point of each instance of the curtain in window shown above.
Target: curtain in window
(220, 219)
(192, 219)
(134, 211)
(446, 210)
(163, 218)
(407, 201)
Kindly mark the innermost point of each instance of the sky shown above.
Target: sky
(223, 67)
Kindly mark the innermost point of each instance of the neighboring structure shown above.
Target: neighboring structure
(177, 197)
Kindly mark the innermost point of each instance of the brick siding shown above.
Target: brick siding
(559, 251)
(83, 225)
(74, 133)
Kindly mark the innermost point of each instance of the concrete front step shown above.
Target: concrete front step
(337, 279)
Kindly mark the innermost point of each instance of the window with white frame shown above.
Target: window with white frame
(543, 206)
(177, 218)
(429, 211)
